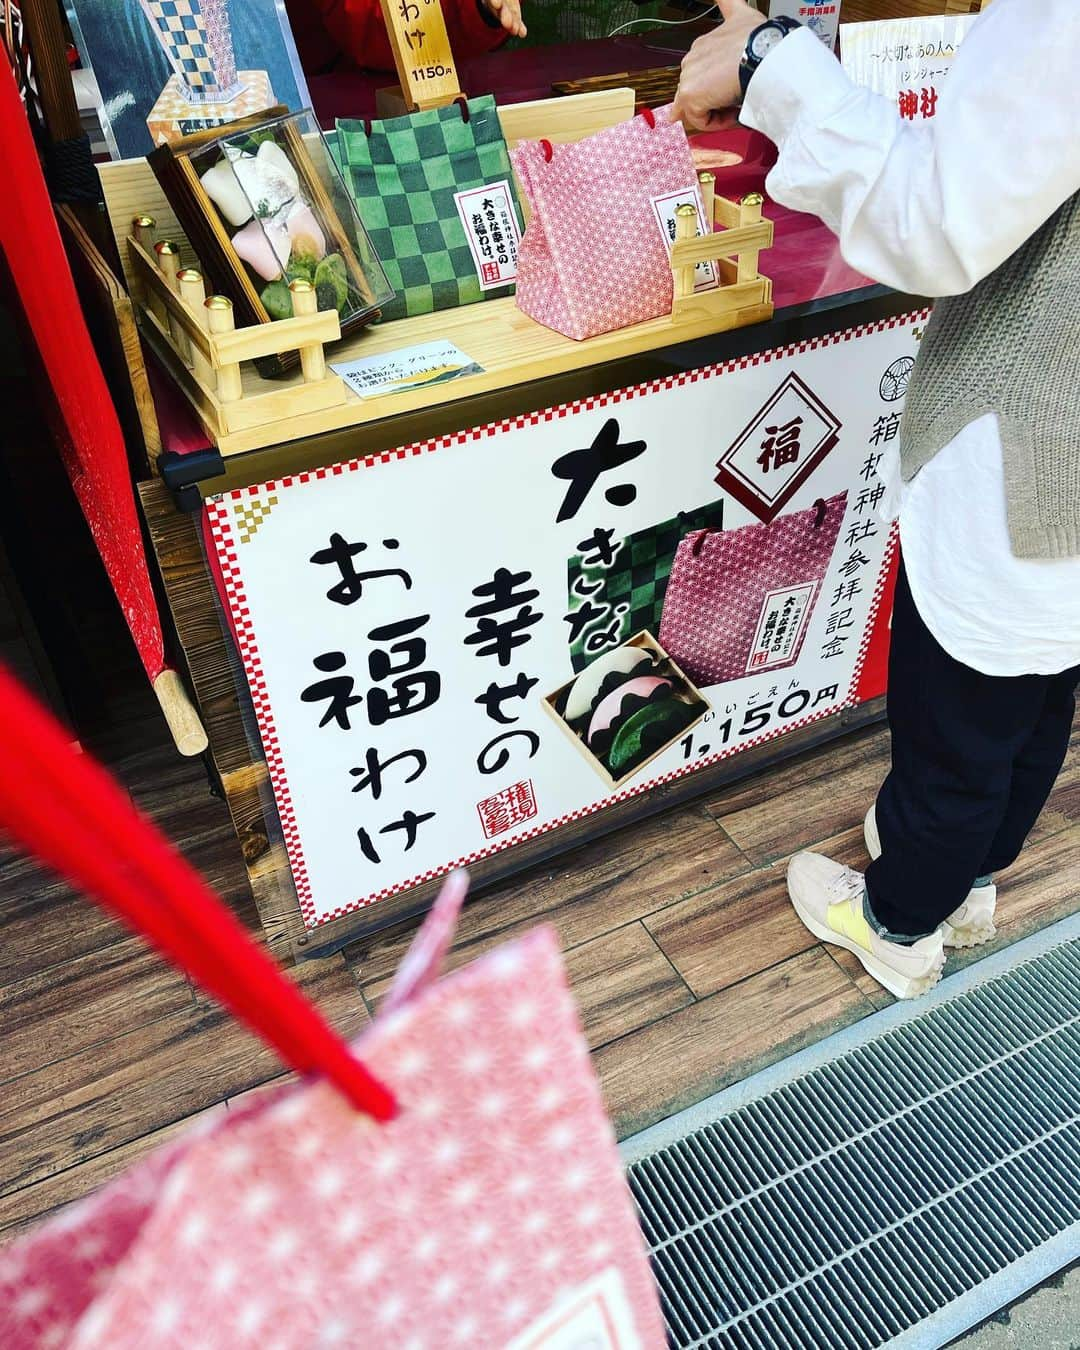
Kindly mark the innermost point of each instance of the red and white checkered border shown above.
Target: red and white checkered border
(891, 545)
(568, 409)
(222, 528)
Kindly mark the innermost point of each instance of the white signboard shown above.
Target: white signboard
(906, 60)
(455, 646)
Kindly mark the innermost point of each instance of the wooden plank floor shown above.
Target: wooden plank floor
(689, 965)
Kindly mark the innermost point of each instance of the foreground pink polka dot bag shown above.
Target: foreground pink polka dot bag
(490, 1212)
(594, 257)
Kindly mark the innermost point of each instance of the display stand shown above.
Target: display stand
(240, 411)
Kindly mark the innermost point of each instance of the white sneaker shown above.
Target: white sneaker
(828, 898)
(969, 926)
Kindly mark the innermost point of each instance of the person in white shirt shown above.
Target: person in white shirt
(979, 203)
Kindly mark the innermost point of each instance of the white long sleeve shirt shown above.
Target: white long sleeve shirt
(932, 207)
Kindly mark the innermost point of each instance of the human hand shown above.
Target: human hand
(709, 82)
(508, 12)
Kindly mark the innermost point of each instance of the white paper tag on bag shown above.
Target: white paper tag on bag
(491, 228)
(783, 618)
(705, 278)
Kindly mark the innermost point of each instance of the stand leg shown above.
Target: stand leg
(219, 311)
(305, 301)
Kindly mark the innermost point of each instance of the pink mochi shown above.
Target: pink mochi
(609, 707)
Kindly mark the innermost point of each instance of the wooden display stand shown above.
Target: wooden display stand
(211, 360)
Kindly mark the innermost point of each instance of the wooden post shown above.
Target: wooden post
(305, 301)
(193, 294)
(143, 230)
(219, 312)
(686, 227)
(143, 227)
(749, 214)
(168, 260)
(422, 57)
(183, 721)
(707, 183)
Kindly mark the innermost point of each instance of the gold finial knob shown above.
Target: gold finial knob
(143, 223)
(300, 286)
(706, 177)
(686, 209)
(166, 246)
(217, 302)
(189, 274)
(752, 199)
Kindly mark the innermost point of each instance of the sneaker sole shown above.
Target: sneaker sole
(974, 935)
(901, 986)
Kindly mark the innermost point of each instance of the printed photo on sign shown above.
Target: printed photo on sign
(705, 274)
(491, 227)
(783, 617)
(466, 643)
(626, 707)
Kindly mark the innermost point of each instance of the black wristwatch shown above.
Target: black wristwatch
(760, 43)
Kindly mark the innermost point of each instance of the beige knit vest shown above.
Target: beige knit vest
(1011, 346)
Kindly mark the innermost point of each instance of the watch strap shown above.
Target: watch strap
(750, 63)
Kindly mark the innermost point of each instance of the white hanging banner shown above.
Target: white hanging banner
(455, 646)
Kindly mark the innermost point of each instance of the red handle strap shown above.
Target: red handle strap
(67, 810)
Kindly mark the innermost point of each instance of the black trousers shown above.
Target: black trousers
(974, 758)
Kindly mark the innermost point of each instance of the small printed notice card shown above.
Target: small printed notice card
(409, 368)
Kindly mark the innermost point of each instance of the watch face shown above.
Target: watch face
(764, 40)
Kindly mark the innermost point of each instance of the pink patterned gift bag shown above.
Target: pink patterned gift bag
(740, 601)
(491, 1212)
(593, 256)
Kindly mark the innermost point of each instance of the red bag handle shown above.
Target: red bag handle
(67, 810)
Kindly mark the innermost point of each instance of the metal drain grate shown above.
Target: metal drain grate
(853, 1205)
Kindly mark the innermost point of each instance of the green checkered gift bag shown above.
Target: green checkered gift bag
(408, 175)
